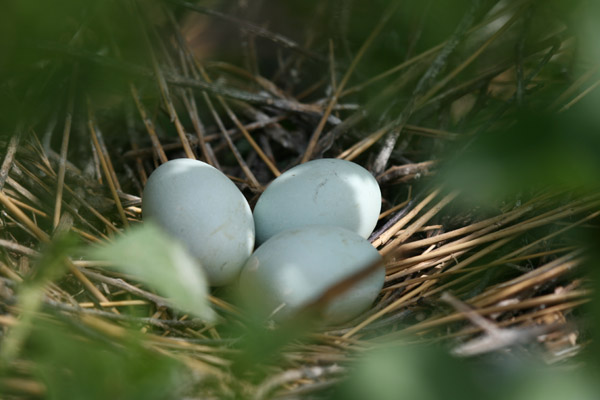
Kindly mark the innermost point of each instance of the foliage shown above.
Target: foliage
(150, 255)
(521, 138)
(79, 366)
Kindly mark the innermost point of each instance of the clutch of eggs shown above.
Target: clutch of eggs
(313, 220)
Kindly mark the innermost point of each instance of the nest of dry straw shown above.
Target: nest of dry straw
(477, 279)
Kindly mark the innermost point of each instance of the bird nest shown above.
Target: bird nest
(472, 277)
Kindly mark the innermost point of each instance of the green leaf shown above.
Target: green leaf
(31, 293)
(161, 262)
(414, 372)
(74, 365)
(421, 372)
(538, 150)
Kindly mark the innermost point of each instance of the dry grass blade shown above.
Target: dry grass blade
(389, 233)
(387, 14)
(250, 140)
(580, 96)
(494, 338)
(488, 223)
(495, 236)
(448, 252)
(443, 82)
(16, 211)
(7, 163)
(27, 387)
(249, 174)
(360, 147)
(423, 85)
(520, 305)
(107, 172)
(63, 149)
(45, 238)
(575, 86)
(165, 94)
(408, 232)
(149, 126)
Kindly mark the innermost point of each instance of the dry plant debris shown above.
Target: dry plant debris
(478, 280)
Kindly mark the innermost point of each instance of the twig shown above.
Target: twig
(16, 247)
(172, 78)
(121, 284)
(404, 170)
(495, 338)
(160, 323)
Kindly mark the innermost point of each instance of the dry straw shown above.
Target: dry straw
(513, 273)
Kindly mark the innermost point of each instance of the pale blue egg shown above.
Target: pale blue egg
(319, 192)
(197, 204)
(295, 267)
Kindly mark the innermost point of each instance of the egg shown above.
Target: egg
(295, 267)
(319, 192)
(197, 204)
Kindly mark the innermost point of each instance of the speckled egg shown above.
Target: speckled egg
(319, 192)
(201, 207)
(295, 267)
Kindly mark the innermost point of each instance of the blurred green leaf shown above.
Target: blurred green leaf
(418, 372)
(41, 43)
(556, 385)
(537, 151)
(410, 372)
(74, 367)
(586, 22)
(32, 291)
(262, 343)
(155, 258)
